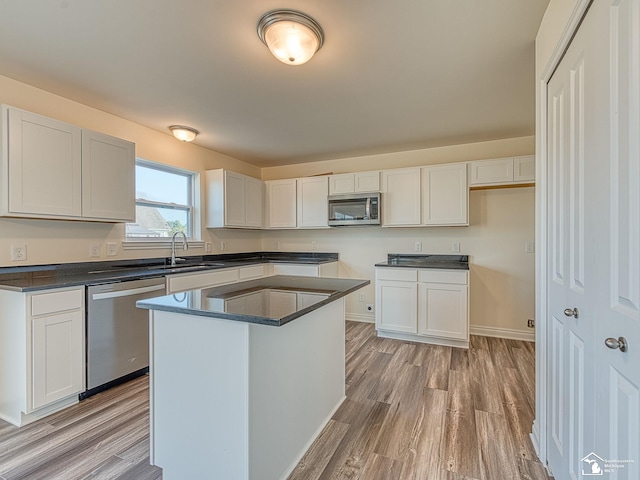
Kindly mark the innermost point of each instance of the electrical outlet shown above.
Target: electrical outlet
(112, 249)
(18, 253)
(418, 247)
(455, 247)
(369, 307)
(94, 250)
(531, 323)
(277, 245)
(223, 246)
(362, 297)
(529, 247)
(208, 246)
(314, 245)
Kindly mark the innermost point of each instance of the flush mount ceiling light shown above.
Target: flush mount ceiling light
(182, 133)
(293, 37)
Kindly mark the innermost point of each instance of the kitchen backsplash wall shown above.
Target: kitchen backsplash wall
(502, 274)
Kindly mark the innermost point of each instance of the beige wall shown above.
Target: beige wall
(65, 241)
(428, 156)
(501, 222)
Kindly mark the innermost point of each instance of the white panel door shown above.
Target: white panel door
(367, 181)
(45, 168)
(593, 248)
(108, 177)
(617, 420)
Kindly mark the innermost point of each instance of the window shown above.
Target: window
(164, 201)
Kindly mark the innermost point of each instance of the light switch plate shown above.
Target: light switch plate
(455, 247)
(94, 250)
(529, 247)
(112, 249)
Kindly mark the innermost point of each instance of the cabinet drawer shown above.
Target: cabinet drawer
(46, 303)
(399, 274)
(443, 276)
(201, 280)
(254, 271)
(299, 270)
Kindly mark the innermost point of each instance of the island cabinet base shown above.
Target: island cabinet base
(240, 401)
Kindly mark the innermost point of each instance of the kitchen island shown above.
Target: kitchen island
(245, 376)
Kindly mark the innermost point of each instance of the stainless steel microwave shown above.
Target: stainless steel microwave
(354, 209)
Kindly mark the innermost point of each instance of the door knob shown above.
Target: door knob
(613, 344)
(571, 312)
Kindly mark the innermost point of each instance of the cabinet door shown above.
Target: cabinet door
(524, 169)
(254, 194)
(488, 172)
(367, 181)
(44, 158)
(108, 177)
(445, 195)
(57, 357)
(343, 183)
(313, 210)
(401, 197)
(396, 306)
(442, 310)
(281, 200)
(234, 199)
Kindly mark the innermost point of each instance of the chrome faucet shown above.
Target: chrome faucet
(185, 247)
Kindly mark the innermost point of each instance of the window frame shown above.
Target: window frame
(193, 184)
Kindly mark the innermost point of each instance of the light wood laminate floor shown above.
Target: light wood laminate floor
(425, 412)
(413, 411)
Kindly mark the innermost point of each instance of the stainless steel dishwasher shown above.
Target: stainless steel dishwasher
(118, 332)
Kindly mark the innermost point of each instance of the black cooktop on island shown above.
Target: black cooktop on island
(454, 262)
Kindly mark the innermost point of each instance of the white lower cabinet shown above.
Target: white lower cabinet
(396, 308)
(423, 305)
(42, 353)
(442, 310)
(56, 357)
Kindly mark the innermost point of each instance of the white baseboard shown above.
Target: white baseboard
(502, 333)
(360, 317)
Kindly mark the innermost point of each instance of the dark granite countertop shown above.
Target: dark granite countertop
(451, 262)
(43, 277)
(273, 301)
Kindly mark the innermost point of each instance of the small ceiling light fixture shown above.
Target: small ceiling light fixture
(293, 37)
(184, 134)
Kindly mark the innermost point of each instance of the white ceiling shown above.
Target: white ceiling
(392, 75)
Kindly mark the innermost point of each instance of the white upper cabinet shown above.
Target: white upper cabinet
(524, 169)
(354, 182)
(312, 206)
(401, 197)
(51, 169)
(281, 203)
(43, 160)
(233, 200)
(445, 195)
(502, 171)
(108, 179)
